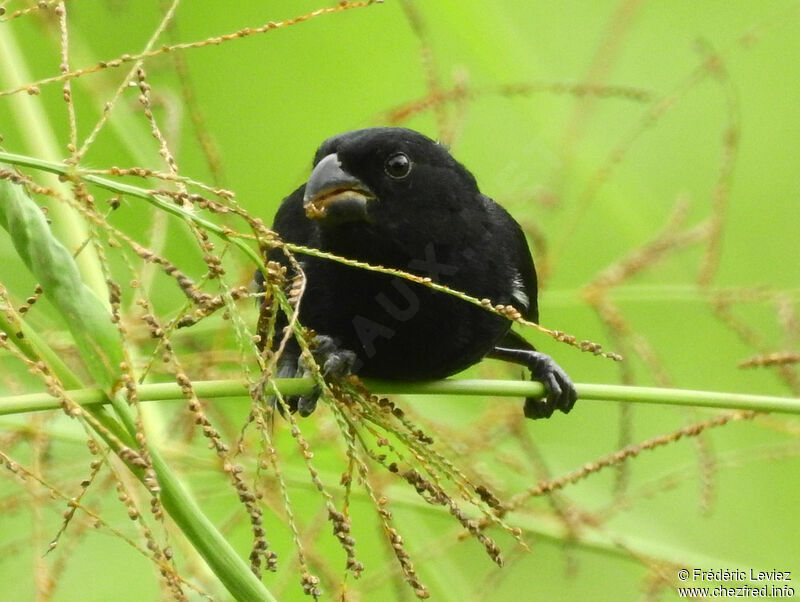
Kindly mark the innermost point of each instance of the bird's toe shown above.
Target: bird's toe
(306, 404)
(338, 363)
(537, 408)
(560, 393)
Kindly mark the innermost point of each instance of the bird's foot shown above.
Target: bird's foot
(334, 363)
(560, 393)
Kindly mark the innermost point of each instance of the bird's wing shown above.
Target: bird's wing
(523, 284)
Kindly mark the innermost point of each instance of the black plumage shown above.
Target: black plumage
(395, 198)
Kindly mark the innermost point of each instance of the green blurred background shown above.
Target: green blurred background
(694, 104)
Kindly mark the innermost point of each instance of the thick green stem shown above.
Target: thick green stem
(206, 539)
(498, 388)
(99, 343)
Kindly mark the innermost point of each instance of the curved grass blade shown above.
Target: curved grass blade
(85, 315)
(100, 346)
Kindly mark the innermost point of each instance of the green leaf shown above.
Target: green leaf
(84, 314)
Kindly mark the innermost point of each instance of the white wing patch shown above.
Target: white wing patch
(518, 290)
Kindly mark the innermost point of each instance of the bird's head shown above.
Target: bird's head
(383, 174)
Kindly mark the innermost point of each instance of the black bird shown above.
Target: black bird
(395, 198)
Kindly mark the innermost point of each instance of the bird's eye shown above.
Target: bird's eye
(398, 165)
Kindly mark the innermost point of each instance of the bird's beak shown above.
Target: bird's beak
(334, 195)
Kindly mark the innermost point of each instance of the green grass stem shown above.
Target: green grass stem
(212, 389)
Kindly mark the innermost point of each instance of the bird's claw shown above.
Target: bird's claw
(560, 393)
(333, 362)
